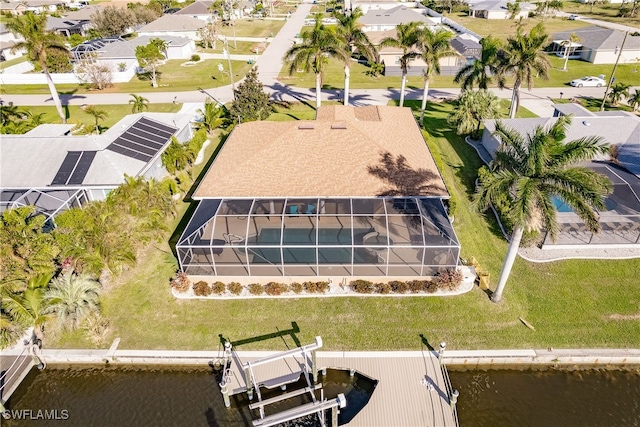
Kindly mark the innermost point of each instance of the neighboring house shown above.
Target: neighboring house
(367, 5)
(53, 170)
(200, 9)
(497, 9)
(620, 220)
(67, 27)
(14, 9)
(7, 41)
(43, 6)
(92, 47)
(178, 48)
(599, 45)
(173, 25)
(355, 192)
(383, 20)
(85, 13)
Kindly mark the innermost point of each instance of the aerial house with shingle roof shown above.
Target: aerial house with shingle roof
(355, 192)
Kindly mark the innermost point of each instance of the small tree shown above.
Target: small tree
(213, 116)
(251, 101)
(149, 58)
(98, 75)
(618, 91)
(634, 100)
(97, 114)
(138, 103)
(113, 21)
(573, 38)
(471, 108)
(209, 34)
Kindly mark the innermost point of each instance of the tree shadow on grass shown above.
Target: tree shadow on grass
(295, 329)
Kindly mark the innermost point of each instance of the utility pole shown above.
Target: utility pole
(228, 55)
(613, 72)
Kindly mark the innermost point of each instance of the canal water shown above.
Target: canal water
(162, 396)
(549, 398)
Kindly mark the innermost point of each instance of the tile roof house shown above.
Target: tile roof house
(497, 9)
(599, 45)
(621, 218)
(53, 170)
(354, 192)
(173, 25)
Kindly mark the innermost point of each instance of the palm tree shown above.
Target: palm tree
(72, 298)
(481, 71)
(407, 38)
(619, 91)
(350, 31)
(433, 46)
(97, 114)
(471, 109)
(38, 42)
(573, 38)
(138, 103)
(529, 171)
(29, 308)
(213, 116)
(312, 53)
(524, 58)
(634, 100)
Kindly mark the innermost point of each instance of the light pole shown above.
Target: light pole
(613, 72)
(225, 52)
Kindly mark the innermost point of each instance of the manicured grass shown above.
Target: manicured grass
(173, 77)
(11, 62)
(253, 28)
(571, 303)
(503, 28)
(606, 12)
(627, 73)
(114, 112)
(243, 48)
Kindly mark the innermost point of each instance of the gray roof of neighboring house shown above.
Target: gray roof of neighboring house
(174, 23)
(85, 12)
(197, 8)
(127, 49)
(395, 16)
(595, 37)
(32, 160)
(463, 44)
(575, 109)
(616, 127)
(39, 3)
(497, 5)
(54, 23)
(50, 130)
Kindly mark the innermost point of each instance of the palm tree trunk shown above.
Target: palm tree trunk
(512, 252)
(515, 100)
(347, 74)
(318, 93)
(425, 95)
(404, 83)
(566, 57)
(55, 96)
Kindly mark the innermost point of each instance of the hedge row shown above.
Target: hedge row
(181, 284)
(446, 280)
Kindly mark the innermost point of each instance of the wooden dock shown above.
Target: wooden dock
(411, 390)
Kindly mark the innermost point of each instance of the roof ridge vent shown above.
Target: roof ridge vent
(306, 127)
(338, 126)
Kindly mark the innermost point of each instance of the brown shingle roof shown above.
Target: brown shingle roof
(339, 154)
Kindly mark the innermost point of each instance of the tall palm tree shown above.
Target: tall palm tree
(39, 43)
(528, 171)
(472, 108)
(138, 103)
(406, 39)
(97, 115)
(72, 298)
(29, 308)
(573, 38)
(350, 31)
(524, 58)
(634, 100)
(619, 91)
(481, 71)
(213, 116)
(433, 46)
(312, 53)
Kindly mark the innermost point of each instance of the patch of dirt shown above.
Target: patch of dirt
(617, 316)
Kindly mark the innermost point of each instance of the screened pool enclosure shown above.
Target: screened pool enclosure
(318, 237)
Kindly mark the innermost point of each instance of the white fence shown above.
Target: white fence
(17, 76)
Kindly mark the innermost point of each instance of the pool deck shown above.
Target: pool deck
(411, 388)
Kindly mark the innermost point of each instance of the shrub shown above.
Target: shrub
(361, 286)
(195, 57)
(256, 289)
(202, 289)
(313, 287)
(274, 288)
(383, 288)
(181, 282)
(218, 288)
(431, 286)
(322, 287)
(296, 287)
(448, 279)
(235, 288)
(399, 287)
(416, 286)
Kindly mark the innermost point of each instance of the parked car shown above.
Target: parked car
(574, 18)
(588, 81)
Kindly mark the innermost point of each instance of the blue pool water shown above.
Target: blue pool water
(560, 205)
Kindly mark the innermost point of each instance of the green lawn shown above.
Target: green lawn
(571, 303)
(627, 73)
(114, 112)
(174, 77)
(606, 12)
(253, 28)
(11, 62)
(502, 28)
(243, 48)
